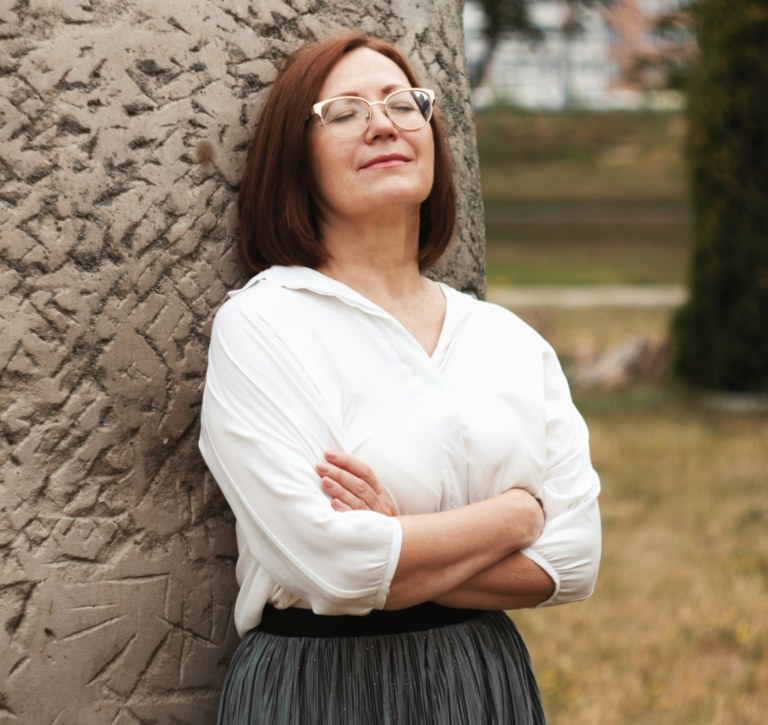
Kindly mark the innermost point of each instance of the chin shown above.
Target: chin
(393, 192)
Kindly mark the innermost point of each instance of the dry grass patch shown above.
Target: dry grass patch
(676, 631)
(578, 332)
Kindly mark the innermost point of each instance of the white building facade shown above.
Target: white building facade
(559, 72)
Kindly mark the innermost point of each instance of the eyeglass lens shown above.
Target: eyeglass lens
(348, 117)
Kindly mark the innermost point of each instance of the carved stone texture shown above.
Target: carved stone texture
(116, 249)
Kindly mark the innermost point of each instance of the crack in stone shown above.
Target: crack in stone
(94, 628)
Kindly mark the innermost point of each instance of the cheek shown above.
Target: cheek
(428, 154)
(327, 165)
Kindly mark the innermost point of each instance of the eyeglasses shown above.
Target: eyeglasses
(350, 116)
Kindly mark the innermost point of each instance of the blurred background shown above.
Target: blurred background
(624, 159)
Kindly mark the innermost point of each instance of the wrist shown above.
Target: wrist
(525, 518)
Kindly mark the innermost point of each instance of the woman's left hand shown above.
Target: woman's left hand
(352, 484)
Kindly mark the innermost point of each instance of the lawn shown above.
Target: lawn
(587, 253)
(676, 631)
(580, 157)
(584, 198)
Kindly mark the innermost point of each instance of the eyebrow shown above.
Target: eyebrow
(386, 90)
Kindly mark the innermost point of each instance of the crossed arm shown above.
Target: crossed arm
(466, 558)
(263, 423)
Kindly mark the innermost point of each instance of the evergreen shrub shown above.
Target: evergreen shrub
(721, 335)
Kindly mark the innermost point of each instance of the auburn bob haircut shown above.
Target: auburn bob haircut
(278, 216)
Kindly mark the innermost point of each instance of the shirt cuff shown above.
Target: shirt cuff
(537, 558)
(394, 557)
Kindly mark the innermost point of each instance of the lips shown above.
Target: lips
(386, 161)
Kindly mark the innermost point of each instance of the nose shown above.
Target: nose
(381, 125)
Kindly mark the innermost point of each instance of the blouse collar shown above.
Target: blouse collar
(459, 304)
(298, 277)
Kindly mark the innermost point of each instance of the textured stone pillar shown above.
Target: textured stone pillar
(116, 249)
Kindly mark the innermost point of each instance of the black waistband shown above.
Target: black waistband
(295, 622)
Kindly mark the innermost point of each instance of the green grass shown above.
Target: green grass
(587, 254)
(580, 156)
(584, 198)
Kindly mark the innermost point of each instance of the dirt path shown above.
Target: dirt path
(588, 296)
(588, 213)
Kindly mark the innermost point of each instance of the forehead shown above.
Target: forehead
(363, 71)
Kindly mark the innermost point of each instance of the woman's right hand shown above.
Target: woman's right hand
(526, 516)
(352, 484)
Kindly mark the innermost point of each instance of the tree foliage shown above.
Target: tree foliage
(670, 65)
(721, 334)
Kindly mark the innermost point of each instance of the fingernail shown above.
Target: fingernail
(331, 453)
(327, 484)
(323, 467)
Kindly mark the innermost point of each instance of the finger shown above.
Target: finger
(355, 466)
(356, 486)
(337, 491)
(340, 505)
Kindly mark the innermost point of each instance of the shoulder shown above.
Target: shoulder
(506, 336)
(254, 304)
(496, 333)
(257, 322)
(499, 321)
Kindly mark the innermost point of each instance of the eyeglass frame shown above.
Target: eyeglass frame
(318, 107)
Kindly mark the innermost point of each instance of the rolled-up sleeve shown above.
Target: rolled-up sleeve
(264, 426)
(569, 547)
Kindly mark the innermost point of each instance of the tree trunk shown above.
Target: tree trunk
(117, 247)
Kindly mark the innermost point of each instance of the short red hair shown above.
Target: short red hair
(278, 216)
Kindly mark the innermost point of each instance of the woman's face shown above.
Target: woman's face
(346, 182)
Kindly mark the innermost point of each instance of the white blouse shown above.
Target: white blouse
(300, 362)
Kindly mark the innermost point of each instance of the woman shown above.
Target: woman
(390, 446)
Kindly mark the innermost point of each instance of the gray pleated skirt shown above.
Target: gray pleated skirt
(474, 672)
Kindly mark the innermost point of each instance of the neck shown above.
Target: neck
(375, 254)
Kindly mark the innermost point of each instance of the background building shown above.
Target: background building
(612, 63)
(639, 47)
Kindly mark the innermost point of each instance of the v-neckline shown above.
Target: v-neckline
(357, 298)
(443, 329)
